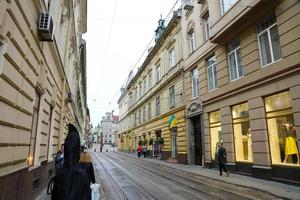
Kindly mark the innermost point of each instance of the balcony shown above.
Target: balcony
(238, 17)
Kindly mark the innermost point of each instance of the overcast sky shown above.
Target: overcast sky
(118, 33)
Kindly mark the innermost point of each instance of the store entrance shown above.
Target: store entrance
(197, 139)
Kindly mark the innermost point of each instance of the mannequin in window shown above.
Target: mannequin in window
(250, 154)
(290, 143)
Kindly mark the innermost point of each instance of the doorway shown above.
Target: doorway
(174, 142)
(197, 139)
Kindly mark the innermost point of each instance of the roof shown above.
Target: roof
(115, 118)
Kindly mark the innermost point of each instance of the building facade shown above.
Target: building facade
(43, 87)
(242, 75)
(108, 127)
(154, 97)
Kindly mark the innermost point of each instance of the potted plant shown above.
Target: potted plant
(140, 142)
(145, 142)
(151, 141)
(161, 141)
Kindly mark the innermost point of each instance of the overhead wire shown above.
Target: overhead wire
(143, 53)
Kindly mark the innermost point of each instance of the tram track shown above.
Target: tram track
(143, 193)
(213, 188)
(111, 179)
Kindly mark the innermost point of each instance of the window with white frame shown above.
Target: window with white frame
(150, 80)
(172, 58)
(192, 40)
(212, 73)
(149, 111)
(268, 37)
(206, 27)
(235, 60)
(144, 85)
(172, 96)
(157, 105)
(158, 73)
(195, 83)
(226, 5)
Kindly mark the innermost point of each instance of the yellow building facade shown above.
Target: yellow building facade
(154, 95)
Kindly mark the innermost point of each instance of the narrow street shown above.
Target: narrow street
(123, 176)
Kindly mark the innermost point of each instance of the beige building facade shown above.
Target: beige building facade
(42, 88)
(242, 75)
(154, 95)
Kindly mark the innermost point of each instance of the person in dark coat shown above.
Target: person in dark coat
(222, 160)
(59, 159)
(86, 164)
(72, 183)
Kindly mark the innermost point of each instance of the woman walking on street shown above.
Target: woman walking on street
(139, 151)
(222, 160)
(86, 164)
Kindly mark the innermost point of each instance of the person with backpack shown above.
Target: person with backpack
(73, 182)
(86, 164)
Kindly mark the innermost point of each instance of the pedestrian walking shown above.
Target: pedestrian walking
(144, 148)
(73, 182)
(59, 159)
(86, 164)
(139, 150)
(221, 158)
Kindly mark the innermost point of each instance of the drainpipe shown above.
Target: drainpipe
(62, 114)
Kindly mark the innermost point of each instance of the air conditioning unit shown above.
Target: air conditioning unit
(69, 98)
(200, 1)
(45, 27)
(188, 5)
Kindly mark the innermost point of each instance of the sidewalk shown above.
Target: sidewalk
(276, 188)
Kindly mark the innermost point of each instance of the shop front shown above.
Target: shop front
(260, 133)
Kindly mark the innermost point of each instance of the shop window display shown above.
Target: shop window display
(215, 132)
(242, 133)
(282, 133)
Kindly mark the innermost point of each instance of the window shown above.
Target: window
(158, 73)
(172, 96)
(195, 83)
(35, 117)
(281, 130)
(212, 73)
(191, 40)
(206, 27)
(150, 80)
(144, 113)
(140, 116)
(140, 91)
(172, 58)
(268, 37)
(215, 132)
(235, 60)
(49, 133)
(149, 111)
(226, 4)
(145, 86)
(157, 105)
(135, 119)
(242, 133)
